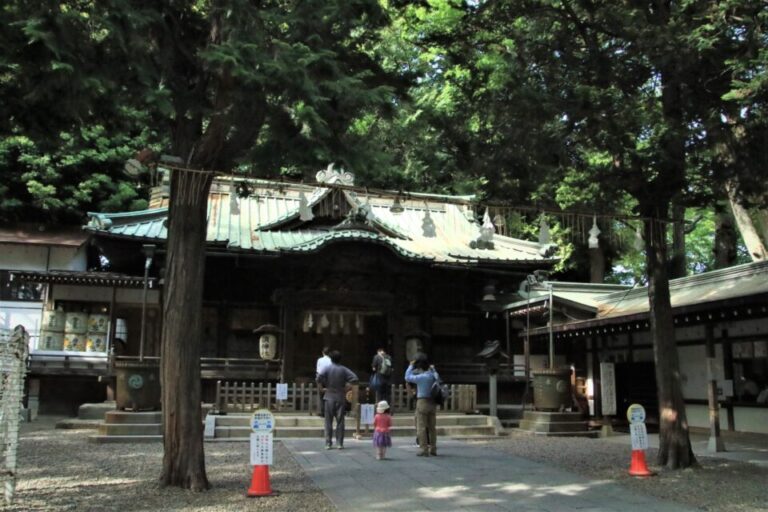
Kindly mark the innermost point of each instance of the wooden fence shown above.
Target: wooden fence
(306, 397)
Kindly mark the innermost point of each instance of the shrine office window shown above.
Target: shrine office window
(19, 290)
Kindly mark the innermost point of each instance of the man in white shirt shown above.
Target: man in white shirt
(323, 362)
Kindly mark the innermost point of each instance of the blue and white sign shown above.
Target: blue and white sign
(639, 436)
(261, 449)
(366, 414)
(262, 421)
(636, 413)
(281, 391)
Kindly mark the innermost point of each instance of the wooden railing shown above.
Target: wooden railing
(306, 397)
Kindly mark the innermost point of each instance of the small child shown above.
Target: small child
(381, 423)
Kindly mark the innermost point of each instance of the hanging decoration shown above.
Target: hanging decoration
(594, 232)
(544, 236)
(397, 206)
(234, 206)
(428, 225)
(307, 325)
(305, 212)
(500, 223)
(359, 324)
(243, 190)
(639, 240)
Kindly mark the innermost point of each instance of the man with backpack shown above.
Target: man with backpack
(382, 375)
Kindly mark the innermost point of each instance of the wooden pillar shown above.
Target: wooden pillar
(715, 440)
(395, 333)
(728, 374)
(223, 316)
(630, 348)
(597, 345)
(288, 325)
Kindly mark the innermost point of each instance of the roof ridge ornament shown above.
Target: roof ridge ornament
(331, 176)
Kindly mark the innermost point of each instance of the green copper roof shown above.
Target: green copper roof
(268, 221)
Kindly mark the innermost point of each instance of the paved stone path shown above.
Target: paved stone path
(463, 477)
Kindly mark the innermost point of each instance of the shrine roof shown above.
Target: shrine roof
(268, 221)
(717, 285)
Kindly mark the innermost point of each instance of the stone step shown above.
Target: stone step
(130, 429)
(551, 416)
(77, 424)
(127, 417)
(318, 422)
(406, 431)
(95, 411)
(124, 439)
(585, 434)
(554, 426)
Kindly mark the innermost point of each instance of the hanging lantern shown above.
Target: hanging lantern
(544, 237)
(397, 207)
(428, 225)
(489, 293)
(243, 190)
(594, 232)
(268, 341)
(305, 212)
(414, 344)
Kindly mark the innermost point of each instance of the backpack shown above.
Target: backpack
(439, 393)
(385, 366)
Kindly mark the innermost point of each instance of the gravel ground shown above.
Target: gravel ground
(61, 470)
(717, 484)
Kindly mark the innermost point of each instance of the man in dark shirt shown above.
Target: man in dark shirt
(382, 368)
(336, 379)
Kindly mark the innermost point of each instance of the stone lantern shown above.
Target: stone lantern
(268, 341)
(491, 355)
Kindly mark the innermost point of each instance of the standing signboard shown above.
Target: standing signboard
(262, 424)
(608, 388)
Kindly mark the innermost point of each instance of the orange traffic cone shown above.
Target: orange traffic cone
(260, 485)
(638, 467)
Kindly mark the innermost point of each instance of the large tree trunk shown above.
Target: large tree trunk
(184, 459)
(674, 443)
(726, 238)
(747, 229)
(678, 264)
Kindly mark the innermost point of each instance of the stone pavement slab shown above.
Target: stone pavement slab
(462, 477)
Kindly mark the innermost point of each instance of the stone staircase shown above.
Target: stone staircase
(555, 424)
(142, 427)
(130, 427)
(235, 427)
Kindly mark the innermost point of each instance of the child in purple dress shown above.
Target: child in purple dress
(381, 423)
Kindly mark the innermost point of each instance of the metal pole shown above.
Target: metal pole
(551, 337)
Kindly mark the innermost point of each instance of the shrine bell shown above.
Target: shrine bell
(268, 340)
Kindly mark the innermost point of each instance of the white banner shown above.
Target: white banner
(639, 436)
(366, 414)
(281, 391)
(608, 388)
(261, 449)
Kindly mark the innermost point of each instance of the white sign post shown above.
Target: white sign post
(281, 391)
(639, 437)
(366, 414)
(608, 388)
(262, 423)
